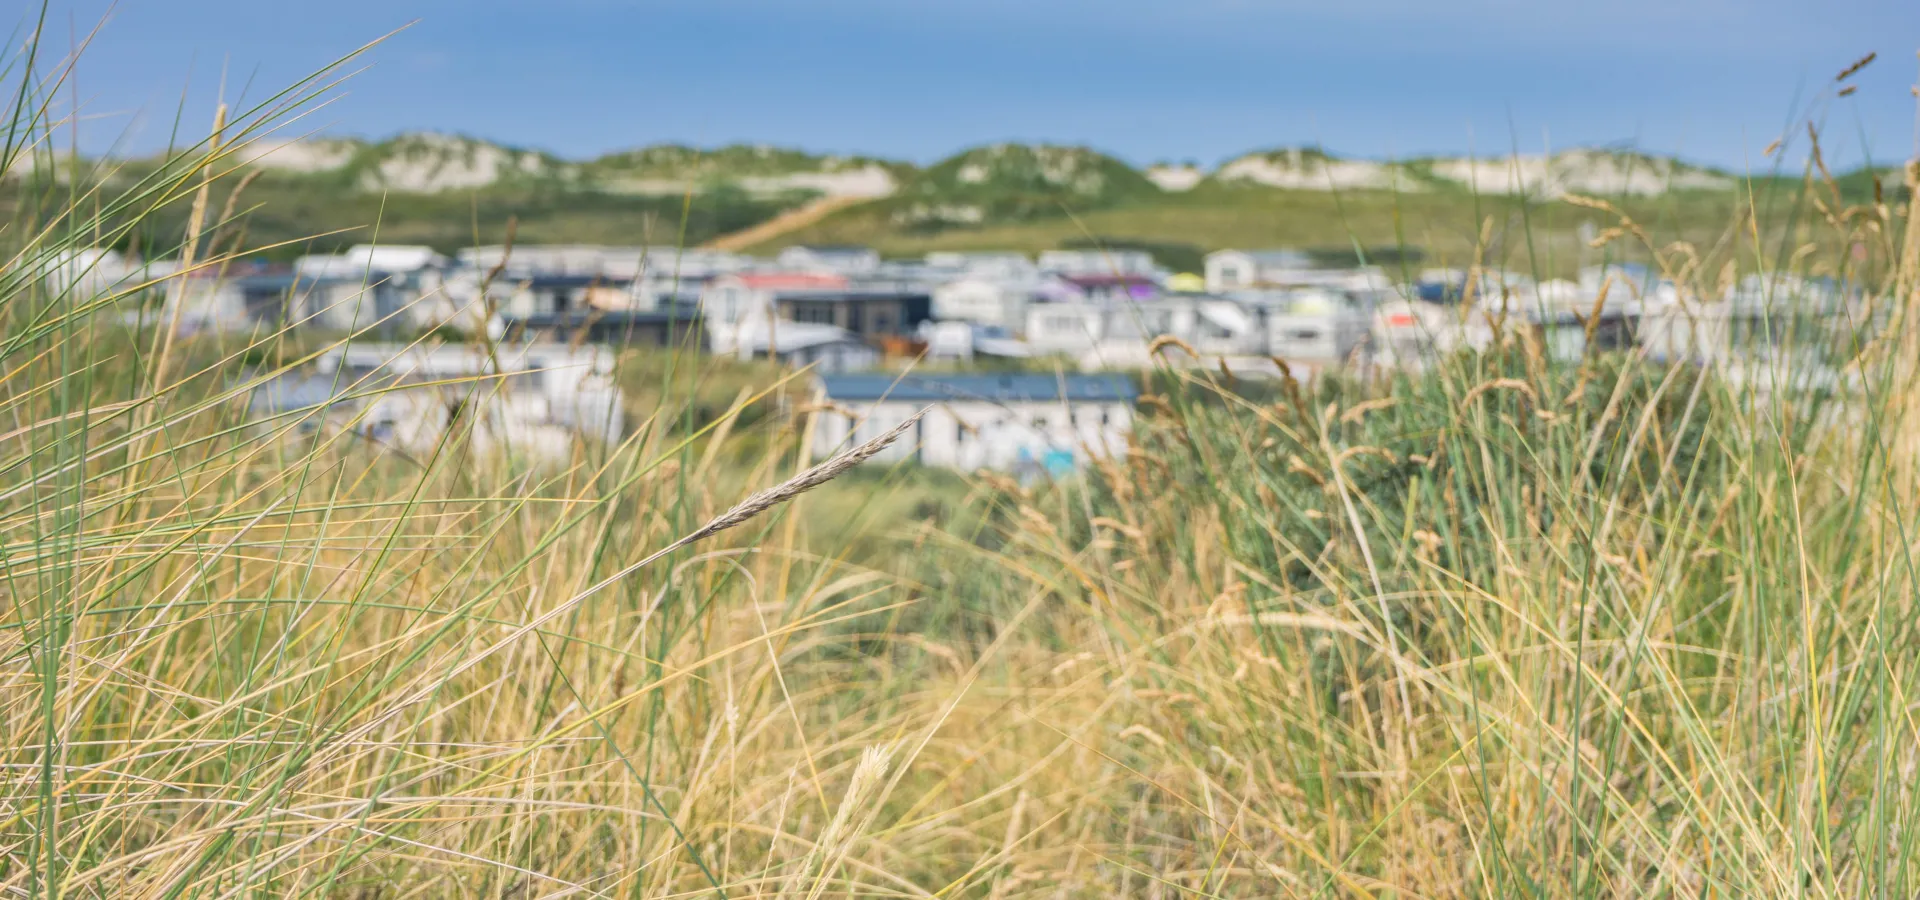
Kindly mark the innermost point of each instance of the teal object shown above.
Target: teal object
(1058, 462)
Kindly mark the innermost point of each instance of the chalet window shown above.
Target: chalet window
(263, 304)
(1061, 324)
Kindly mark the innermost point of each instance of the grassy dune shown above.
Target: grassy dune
(1449, 227)
(1503, 627)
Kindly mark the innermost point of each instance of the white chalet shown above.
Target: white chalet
(1230, 270)
(999, 301)
(735, 306)
(369, 260)
(1764, 319)
(1212, 326)
(984, 265)
(966, 340)
(1026, 423)
(372, 284)
(1241, 271)
(1316, 325)
(530, 402)
(1071, 327)
(93, 273)
(828, 348)
(1630, 279)
(741, 316)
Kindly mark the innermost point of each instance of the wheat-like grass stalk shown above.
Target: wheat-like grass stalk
(760, 502)
(849, 819)
(741, 513)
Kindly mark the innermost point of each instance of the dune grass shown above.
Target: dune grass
(1506, 626)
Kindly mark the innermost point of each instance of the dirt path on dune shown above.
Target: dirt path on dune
(790, 220)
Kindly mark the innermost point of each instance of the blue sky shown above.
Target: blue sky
(1710, 80)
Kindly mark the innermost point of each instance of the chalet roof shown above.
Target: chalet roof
(281, 281)
(858, 292)
(1276, 257)
(548, 279)
(791, 281)
(1110, 280)
(460, 360)
(1012, 387)
(684, 315)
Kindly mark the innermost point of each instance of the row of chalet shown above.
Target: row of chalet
(846, 307)
(848, 313)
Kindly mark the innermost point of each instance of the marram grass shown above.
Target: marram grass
(1506, 626)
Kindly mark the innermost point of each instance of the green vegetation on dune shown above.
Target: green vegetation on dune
(1408, 204)
(1011, 183)
(449, 191)
(681, 162)
(302, 214)
(423, 162)
(1446, 226)
(451, 220)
